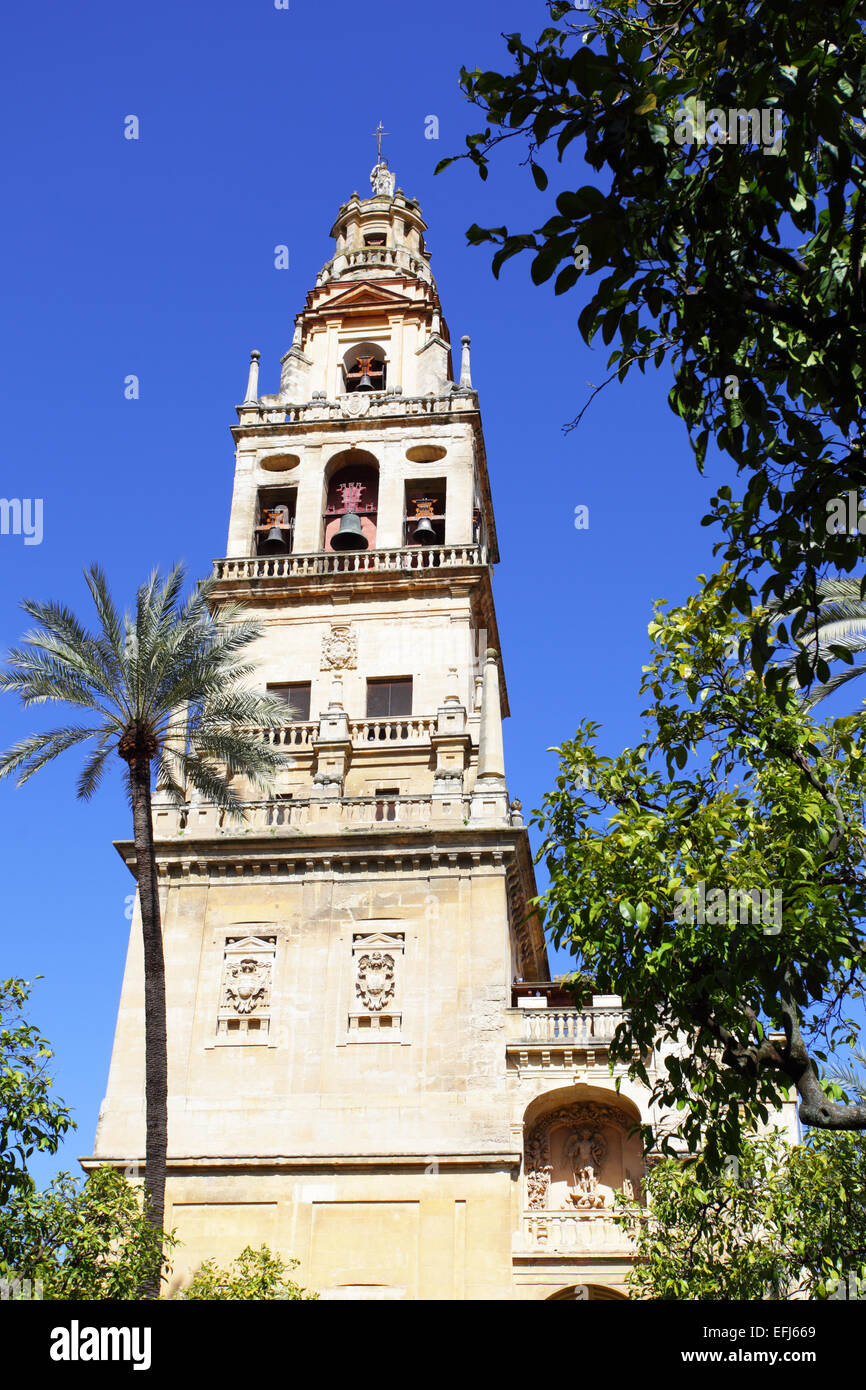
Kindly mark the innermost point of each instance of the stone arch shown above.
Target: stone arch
(353, 469)
(373, 358)
(587, 1293)
(581, 1146)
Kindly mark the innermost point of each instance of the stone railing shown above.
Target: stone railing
(300, 735)
(564, 1027)
(376, 404)
(567, 1232)
(389, 812)
(411, 557)
(391, 257)
(410, 729)
(407, 730)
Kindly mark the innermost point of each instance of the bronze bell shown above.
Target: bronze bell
(275, 542)
(424, 533)
(349, 536)
(365, 384)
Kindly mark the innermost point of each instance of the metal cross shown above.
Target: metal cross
(378, 133)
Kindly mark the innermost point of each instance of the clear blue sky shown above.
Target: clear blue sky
(156, 258)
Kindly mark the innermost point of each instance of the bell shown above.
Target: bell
(424, 533)
(274, 542)
(349, 535)
(365, 384)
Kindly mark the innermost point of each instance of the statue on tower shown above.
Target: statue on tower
(381, 177)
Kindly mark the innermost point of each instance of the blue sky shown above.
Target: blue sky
(156, 258)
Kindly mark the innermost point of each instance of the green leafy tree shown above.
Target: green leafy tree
(780, 1222)
(81, 1240)
(714, 877)
(738, 262)
(254, 1277)
(167, 690)
(31, 1119)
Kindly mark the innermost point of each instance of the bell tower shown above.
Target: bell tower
(340, 967)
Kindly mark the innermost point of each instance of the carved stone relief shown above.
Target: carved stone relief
(584, 1153)
(375, 980)
(245, 990)
(340, 648)
(377, 959)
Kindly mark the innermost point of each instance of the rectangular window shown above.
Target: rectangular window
(296, 696)
(389, 697)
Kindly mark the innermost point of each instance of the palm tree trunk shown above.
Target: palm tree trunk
(155, 1044)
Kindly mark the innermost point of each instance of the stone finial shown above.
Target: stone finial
(253, 379)
(465, 369)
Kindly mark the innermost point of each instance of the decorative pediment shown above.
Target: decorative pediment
(244, 944)
(377, 940)
(366, 295)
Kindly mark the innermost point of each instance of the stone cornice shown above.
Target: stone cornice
(313, 1163)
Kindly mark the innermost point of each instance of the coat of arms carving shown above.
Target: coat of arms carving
(340, 648)
(246, 985)
(375, 982)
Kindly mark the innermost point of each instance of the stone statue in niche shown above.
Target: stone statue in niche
(586, 1150)
(246, 985)
(375, 982)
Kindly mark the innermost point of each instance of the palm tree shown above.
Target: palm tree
(167, 690)
(852, 1077)
(840, 621)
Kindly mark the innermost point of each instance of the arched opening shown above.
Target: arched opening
(587, 1293)
(582, 1149)
(365, 368)
(351, 501)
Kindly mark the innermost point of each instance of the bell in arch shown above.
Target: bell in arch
(424, 533)
(275, 542)
(349, 535)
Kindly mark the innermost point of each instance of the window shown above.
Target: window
(389, 697)
(424, 517)
(386, 803)
(296, 697)
(364, 368)
(275, 521)
(374, 239)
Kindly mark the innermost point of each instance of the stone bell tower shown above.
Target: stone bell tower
(340, 967)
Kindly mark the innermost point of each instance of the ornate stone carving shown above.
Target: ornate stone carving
(245, 988)
(340, 648)
(375, 983)
(247, 984)
(355, 404)
(586, 1148)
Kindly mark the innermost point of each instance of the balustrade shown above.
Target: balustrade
(413, 557)
(571, 1231)
(566, 1026)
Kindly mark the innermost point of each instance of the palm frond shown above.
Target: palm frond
(30, 754)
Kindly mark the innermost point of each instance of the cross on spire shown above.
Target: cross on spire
(378, 133)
